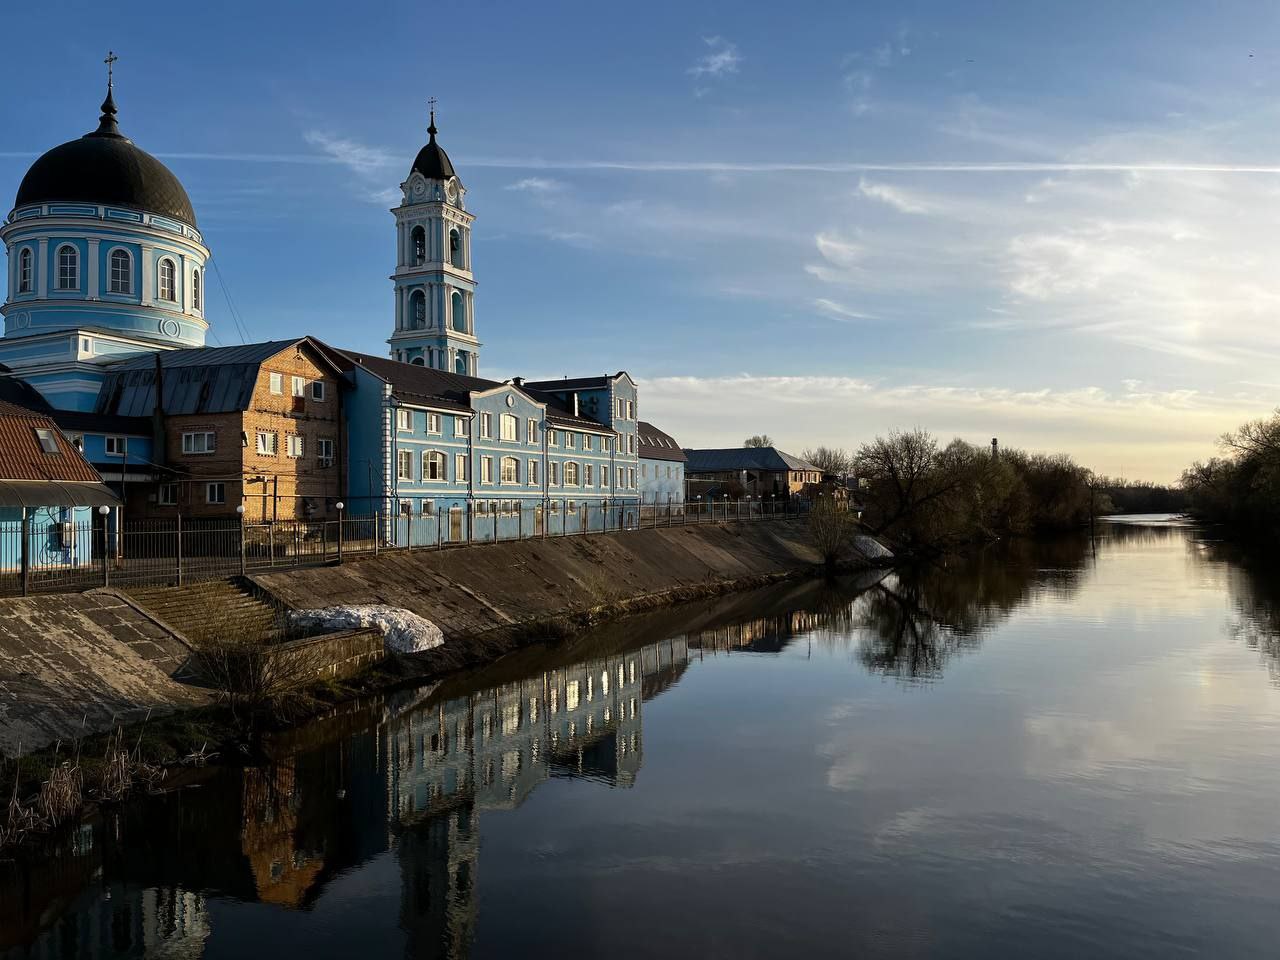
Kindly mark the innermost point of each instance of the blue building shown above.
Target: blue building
(446, 457)
(661, 467)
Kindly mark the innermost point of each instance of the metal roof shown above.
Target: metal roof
(254, 353)
(764, 459)
(55, 493)
(657, 445)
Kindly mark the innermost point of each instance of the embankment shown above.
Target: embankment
(472, 592)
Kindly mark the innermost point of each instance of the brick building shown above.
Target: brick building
(259, 424)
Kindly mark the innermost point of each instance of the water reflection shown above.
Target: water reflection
(365, 833)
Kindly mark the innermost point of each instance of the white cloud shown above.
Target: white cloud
(895, 197)
(838, 311)
(361, 158)
(722, 58)
(536, 185)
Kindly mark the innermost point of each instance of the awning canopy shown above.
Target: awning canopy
(55, 493)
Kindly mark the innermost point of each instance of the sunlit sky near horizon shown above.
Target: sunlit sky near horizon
(1052, 223)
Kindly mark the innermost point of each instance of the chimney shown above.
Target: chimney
(158, 452)
(995, 448)
(518, 381)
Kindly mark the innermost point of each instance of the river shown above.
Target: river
(1051, 750)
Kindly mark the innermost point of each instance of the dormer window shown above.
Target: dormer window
(419, 237)
(168, 277)
(48, 442)
(68, 268)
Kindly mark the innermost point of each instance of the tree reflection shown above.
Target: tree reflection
(1253, 589)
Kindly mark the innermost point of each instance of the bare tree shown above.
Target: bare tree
(830, 460)
(833, 529)
(759, 440)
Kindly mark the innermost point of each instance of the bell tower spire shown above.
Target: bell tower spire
(434, 285)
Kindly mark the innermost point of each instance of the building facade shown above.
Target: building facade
(661, 467)
(763, 472)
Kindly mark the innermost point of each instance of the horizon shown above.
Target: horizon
(1047, 227)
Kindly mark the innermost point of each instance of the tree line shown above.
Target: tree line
(1241, 488)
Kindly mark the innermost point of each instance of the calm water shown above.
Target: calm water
(1060, 751)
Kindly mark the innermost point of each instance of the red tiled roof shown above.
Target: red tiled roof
(22, 458)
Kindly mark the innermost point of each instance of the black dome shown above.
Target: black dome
(106, 167)
(432, 162)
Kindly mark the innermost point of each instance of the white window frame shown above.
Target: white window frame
(433, 423)
(26, 270)
(531, 431)
(208, 440)
(553, 473)
(324, 452)
(509, 427)
(218, 486)
(297, 386)
(428, 508)
(121, 285)
(404, 457)
(531, 472)
(404, 420)
(275, 383)
(171, 276)
(486, 470)
(293, 445)
(266, 443)
(587, 443)
(514, 464)
(115, 446)
(48, 442)
(318, 391)
(67, 274)
(197, 291)
(572, 473)
(570, 440)
(486, 426)
(553, 438)
(460, 468)
(167, 495)
(459, 426)
(432, 457)
(604, 476)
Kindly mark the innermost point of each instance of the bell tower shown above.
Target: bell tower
(434, 285)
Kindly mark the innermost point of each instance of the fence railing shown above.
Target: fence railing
(46, 557)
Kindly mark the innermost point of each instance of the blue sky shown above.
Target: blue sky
(1052, 223)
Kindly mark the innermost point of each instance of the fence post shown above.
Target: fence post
(240, 511)
(178, 537)
(377, 528)
(339, 505)
(106, 561)
(25, 550)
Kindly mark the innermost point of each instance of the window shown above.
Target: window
(553, 472)
(324, 452)
(486, 426)
(48, 442)
(531, 431)
(292, 445)
(404, 419)
(631, 475)
(510, 470)
(531, 476)
(215, 492)
(198, 443)
(459, 309)
(418, 309)
(460, 468)
(317, 390)
(604, 476)
(606, 444)
(459, 426)
(570, 474)
(482, 506)
(631, 409)
(618, 408)
(195, 290)
(570, 440)
(418, 238)
(406, 508)
(586, 441)
(116, 446)
(644, 471)
(404, 464)
(167, 494)
(588, 477)
(68, 268)
(277, 384)
(507, 426)
(553, 438)
(428, 507)
(555, 508)
(168, 280)
(120, 273)
(25, 279)
(631, 443)
(265, 444)
(455, 248)
(486, 469)
(433, 465)
(433, 423)
(298, 386)
(77, 441)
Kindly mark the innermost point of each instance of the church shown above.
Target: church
(104, 321)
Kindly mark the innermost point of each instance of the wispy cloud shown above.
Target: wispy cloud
(895, 197)
(721, 59)
(536, 185)
(838, 311)
(360, 157)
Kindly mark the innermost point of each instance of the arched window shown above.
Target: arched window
(418, 309)
(458, 307)
(120, 279)
(418, 362)
(433, 465)
(460, 364)
(455, 248)
(168, 273)
(510, 470)
(570, 474)
(68, 268)
(195, 290)
(25, 278)
(418, 236)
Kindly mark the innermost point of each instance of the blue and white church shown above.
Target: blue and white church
(105, 260)
(434, 286)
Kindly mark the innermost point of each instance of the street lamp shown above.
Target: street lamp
(339, 505)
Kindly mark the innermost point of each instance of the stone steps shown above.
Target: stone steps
(212, 610)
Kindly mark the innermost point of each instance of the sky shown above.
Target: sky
(1050, 223)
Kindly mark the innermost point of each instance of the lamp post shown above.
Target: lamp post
(106, 567)
(339, 505)
(240, 513)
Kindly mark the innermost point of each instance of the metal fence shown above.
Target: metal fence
(47, 557)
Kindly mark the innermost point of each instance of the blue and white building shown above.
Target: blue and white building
(661, 467)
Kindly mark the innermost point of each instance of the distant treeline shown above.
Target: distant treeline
(1129, 496)
(1241, 488)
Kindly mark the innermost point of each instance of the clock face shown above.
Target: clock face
(419, 188)
(451, 190)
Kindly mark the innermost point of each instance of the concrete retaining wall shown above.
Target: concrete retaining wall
(472, 590)
(332, 655)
